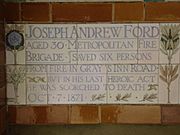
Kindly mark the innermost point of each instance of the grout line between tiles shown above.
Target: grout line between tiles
(113, 12)
(50, 13)
(158, 65)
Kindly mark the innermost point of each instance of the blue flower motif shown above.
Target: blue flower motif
(15, 40)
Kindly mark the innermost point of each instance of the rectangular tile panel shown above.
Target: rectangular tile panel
(130, 63)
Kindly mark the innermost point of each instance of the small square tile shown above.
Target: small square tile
(169, 43)
(15, 50)
(16, 88)
(169, 84)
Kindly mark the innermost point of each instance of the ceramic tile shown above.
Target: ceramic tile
(72, 84)
(111, 44)
(16, 93)
(169, 44)
(36, 84)
(168, 84)
(132, 84)
(50, 44)
(15, 52)
(148, 43)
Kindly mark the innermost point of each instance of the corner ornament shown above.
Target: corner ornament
(169, 46)
(14, 40)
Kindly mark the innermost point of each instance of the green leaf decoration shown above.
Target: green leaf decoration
(149, 98)
(120, 97)
(15, 74)
(168, 73)
(98, 97)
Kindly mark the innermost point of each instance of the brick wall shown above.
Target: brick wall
(93, 12)
(3, 107)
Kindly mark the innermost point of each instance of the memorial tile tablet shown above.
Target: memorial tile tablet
(133, 63)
